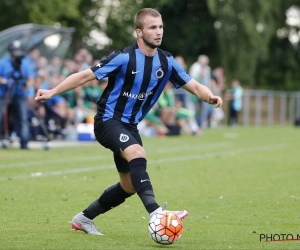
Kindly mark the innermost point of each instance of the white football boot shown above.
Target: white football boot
(181, 214)
(82, 223)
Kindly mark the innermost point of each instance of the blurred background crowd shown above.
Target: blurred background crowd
(177, 112)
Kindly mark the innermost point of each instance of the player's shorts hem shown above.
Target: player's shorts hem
(117, 135)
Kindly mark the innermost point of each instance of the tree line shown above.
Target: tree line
(239, 35)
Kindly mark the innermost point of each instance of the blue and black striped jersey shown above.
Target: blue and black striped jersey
(135, 82)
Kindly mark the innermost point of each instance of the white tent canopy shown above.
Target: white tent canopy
(50, 40)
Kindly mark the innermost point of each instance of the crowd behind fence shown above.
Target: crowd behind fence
(72, 110)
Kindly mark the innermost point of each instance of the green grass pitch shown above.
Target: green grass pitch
(237, 184)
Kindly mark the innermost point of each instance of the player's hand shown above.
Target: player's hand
(216, 100)
(43, 95)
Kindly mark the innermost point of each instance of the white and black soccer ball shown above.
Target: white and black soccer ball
(165, 227)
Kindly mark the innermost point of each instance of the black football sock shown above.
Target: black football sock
(141, 183)
(111, 197)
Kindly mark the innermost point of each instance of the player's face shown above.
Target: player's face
(152, 32)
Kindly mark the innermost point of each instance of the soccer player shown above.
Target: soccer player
(137, 76)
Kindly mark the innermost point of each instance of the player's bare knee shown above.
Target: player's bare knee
(140, 153)
(133, 152)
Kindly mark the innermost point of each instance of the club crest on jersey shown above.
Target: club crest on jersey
(124, 138)
(159, 73)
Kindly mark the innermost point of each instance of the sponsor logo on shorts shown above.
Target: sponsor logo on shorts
(124, 138)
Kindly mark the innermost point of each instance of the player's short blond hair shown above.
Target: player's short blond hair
(141, 14)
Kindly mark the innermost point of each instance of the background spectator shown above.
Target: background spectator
(201, 71)
(235, 102)
(16, 76)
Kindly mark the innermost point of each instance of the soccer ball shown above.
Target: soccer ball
(165, 227)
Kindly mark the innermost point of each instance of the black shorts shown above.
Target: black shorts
(116, 135)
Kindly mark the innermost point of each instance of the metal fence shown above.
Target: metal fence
(265, 107)
(260, 107)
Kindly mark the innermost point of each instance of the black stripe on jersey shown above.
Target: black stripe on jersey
(144, 86)
(105, 60)
(175, 76)
(164, 65)
(101, 104)
(127, 85)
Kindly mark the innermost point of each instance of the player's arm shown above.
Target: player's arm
(71, 82)
(203, 93)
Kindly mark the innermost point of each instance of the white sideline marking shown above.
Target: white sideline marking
(193, 147)
(223, 153)
(50, 161)
(171, 159)
(108, 156)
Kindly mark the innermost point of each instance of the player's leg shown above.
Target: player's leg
(2, 113)
(22, 114)
(131, 165)
(112, 135)
(236, 115)
(230, 116)
(140, 180)
(138, 177)
(110, 198)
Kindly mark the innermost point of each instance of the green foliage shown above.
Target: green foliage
(244, 33)
(46, 12)
(242, 43)
(239, 35)
(189, 30)
(281, 70)
(119, 26)
(188, 27)
(15, 12)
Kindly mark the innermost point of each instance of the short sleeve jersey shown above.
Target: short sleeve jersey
(135, 82)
